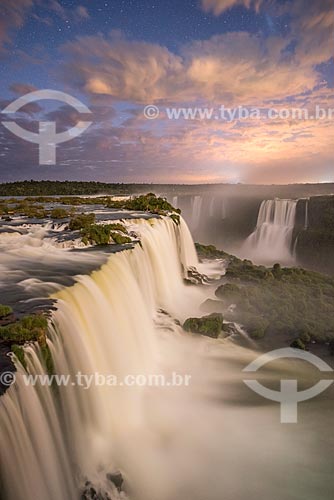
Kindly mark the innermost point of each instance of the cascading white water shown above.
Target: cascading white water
(306, 214)
(171, 443)
(104, 324)
(224, 208)
(271, 241)
(196, 209)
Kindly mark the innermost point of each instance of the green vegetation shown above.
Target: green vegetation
(100, 234)
(81, 222)
(48, 188)
(59, 213)
(24, 209)
(117, 226)
(298, 344)
(5, 311)
(292, 302)
(120, 239)
(145, 203)
(244, 270)
(210, 326)
(28, 329)
(35, 208)
(210, 252)
(175, 218)
(292, 305)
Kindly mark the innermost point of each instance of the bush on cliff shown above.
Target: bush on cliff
(59, 213)
(291, 302)
(28, 329)
(210, 252)
(101, 234)
(31, 328)
(81, 221)
(5, 311)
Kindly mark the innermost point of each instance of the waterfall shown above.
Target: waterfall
(306, 214)
(105, 323)
(170, 443)
(272, 239)
(224, 208)
(212, 207)
(196, 209)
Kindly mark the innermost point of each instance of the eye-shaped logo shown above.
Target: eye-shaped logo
(47, 138)
(288, 396)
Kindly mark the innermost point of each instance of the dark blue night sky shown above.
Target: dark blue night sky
(118, 56)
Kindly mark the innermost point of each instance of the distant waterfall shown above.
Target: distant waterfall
(224, 208)
(272, 239)
(306, 214)
(212, 207)
(196, 207)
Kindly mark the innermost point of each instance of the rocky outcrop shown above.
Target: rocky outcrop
(314, 233)
(92, 492)
(210, 326)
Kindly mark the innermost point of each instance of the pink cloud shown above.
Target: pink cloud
(220, 6)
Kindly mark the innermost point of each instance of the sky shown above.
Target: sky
(256, 76)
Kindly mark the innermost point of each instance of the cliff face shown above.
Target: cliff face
(314, 231)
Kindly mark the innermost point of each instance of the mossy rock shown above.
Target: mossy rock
(298, 344)
(81, 221)
(120, 239)
(210, 252)
(59, 213)
(5, 311)
(28, 329)
(175, 218)
(102, 234)
(210, 326)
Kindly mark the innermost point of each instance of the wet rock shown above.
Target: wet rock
(117, 479)
(195, 278)
(230, 329)
(91, 493)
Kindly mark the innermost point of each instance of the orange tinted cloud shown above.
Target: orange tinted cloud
(234, 67)
(219, 6)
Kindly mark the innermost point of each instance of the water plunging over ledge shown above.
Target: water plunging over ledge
(175, 443)
(271, 240)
